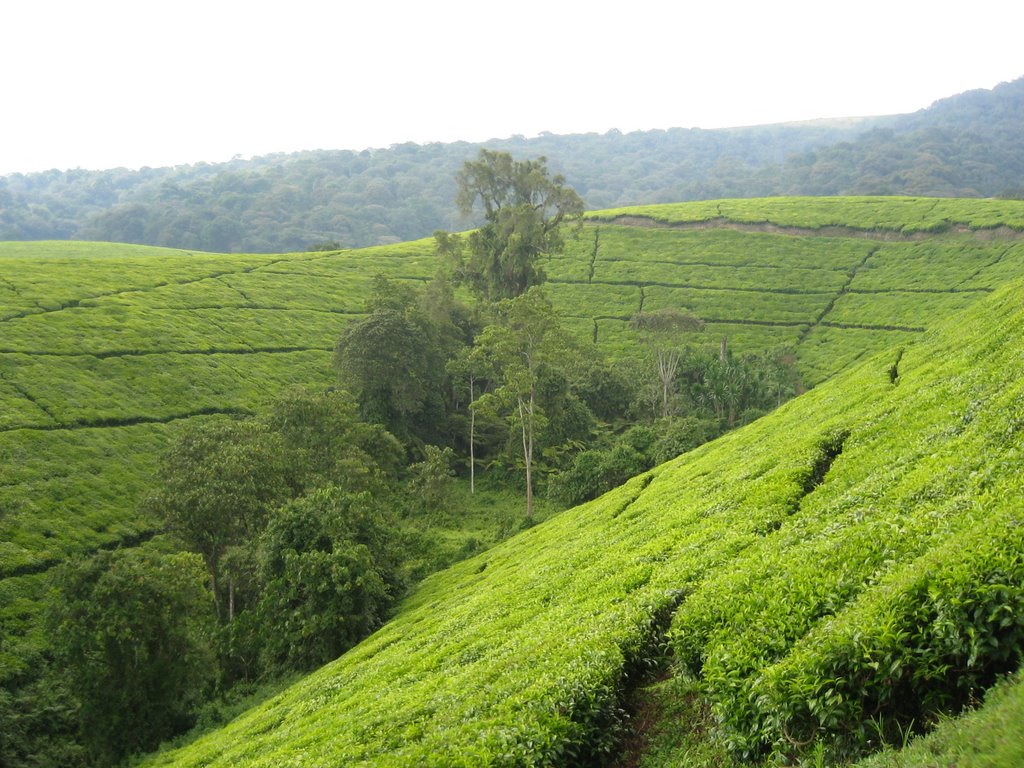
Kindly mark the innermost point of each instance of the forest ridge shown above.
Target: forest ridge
(969, 145)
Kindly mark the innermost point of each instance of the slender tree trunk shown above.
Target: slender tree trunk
(231, 599)
(526, 420)
(668, 365)
(472, 438)
(214, 587)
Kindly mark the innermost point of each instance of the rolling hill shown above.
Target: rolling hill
(834, 572)
(105, 350)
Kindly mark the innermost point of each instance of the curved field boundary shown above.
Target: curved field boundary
(1001, 232)
(75, 303)
(148, 353)
(711, 264)
(131, 421)
(692, 286)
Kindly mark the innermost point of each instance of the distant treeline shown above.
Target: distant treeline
(966, 146)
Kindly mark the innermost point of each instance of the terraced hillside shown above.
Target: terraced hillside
(106, 349)
(832, 279)
(832, 573)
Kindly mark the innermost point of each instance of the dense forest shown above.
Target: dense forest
(965, 146)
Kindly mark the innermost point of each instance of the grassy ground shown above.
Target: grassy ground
(987, 737)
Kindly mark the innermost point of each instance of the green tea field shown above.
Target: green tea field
(831, 574)
(107, 349)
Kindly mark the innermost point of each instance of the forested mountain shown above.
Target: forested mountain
(968, 145)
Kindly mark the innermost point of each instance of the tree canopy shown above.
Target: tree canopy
(524, 208)
(131, 632)
(218, 482)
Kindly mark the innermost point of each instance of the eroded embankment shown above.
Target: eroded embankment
(1001, 232)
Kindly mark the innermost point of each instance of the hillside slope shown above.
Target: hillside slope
(856, 556)
(106, 350)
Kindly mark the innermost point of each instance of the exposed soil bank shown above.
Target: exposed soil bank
(995, 233)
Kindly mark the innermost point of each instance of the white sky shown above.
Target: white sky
(109, 83)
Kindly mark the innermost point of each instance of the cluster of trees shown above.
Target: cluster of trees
(284, 547)
(288, 536)
(968, 145)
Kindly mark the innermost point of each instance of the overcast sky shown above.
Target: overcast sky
(105, 83)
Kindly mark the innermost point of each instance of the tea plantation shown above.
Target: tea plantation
(105, 350)
(842, 568)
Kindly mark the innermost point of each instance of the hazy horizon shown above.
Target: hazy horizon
(122, 84)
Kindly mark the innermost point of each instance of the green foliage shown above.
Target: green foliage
(904, 215)
(131, 633)
(430, 482)
(221, 489)
(607, 389)
(108, 353)
(395, 357)
(859, 526)
(596, 471)
(660, 331)
(327, 444)
(218, 484)
(523, 209)
(383, 358)
(39, 721)
(328, 566)
(523, 346)
(985, 737)
(927, 640)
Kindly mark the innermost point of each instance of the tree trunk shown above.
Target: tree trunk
(668, 365)
(214, 587)
(526, 420)
(472, 438)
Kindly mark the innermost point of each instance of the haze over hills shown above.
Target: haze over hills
(967, 145)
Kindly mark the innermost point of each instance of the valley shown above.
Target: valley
(901, 317)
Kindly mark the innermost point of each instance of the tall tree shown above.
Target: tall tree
(329, 563)
(524, 208)
(218, 482)
(526, 338)
(325, 443)
(469, 369)
(393, 360)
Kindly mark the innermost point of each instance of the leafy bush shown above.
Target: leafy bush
(928, 640)
(329, 574)
(132, 632)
